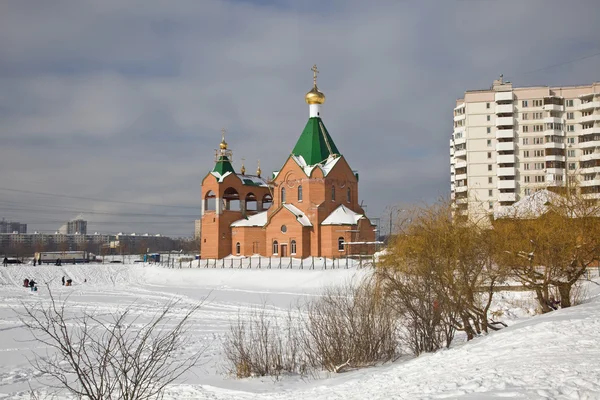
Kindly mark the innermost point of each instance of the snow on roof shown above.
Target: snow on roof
(326, 166)
(259, 219)
(342, 216)
(219, 176)
(300, 216)
(252, 180)
(531, 206)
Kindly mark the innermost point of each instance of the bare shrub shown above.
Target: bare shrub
(263, 345)
(350, 326)
(108, 357)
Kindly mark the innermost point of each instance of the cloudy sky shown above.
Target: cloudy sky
(113, 108)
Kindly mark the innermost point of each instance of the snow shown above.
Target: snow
(300, 216)
(342, 216)
(326, 165)
(530, 206)
(259, 219)
(552, 356)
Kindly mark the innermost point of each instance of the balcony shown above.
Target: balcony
(591, 143)
(507, 184)
(506, 171)
(504, 197)
(588, 157)
(592, 182)
(460, 189)
(503, 96)
(460, 117)
(504, 109)
(595, 129)
(460, 153)
(554, 157)
(552, 120)
(460, 177)
(460, 164)
(504, 121)
(553, 107)
(553, 132)
(505, 159)
(554, 145)
(505, 146)
(460, 140)
(590, 118)
(505, 133)
(462, 200)
(458, 129)
(590, 170)
(589, 106)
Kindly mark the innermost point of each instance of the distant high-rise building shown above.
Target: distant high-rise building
(77, 226)
(509, 142)
(197, 228)
(11, 227)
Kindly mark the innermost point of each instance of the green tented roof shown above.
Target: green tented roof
(315, 145)
(223, 165)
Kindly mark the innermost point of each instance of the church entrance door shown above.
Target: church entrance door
(284, 250)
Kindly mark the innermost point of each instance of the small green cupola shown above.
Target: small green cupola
(315, 145)
(223, 157)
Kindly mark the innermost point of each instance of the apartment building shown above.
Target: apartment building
(509, 142)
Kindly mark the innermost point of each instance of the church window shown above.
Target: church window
(341, 243)
(238, 248)
(348, 195)
(275, 247)
(332, 193)
(300, 193)
(283, 195)
(283, 229)
(293, 246)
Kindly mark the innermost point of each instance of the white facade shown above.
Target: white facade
(509, 142)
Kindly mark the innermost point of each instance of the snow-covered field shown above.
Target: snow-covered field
(553, 356)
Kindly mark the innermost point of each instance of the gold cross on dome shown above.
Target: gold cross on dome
(315, 72)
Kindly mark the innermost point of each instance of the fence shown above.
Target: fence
(310, 263)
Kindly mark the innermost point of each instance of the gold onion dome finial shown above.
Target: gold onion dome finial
(243, 169)
(258, 171)
(223, 144)
(314, 96)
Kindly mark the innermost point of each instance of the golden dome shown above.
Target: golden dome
(314, 96)
(223, 145)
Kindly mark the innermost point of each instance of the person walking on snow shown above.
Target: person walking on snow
(63, 281)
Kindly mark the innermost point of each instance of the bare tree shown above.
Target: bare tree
(111, 357)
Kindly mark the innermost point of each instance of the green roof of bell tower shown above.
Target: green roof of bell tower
(315, 145)
(223, 165)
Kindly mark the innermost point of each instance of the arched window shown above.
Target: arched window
(238, 248)
(341, 243)
(283, 195)
(332, 193)
(275, 247)
(300, 193)
(293, 246)
(348, 195)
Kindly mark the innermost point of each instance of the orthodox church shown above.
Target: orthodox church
(307, 208)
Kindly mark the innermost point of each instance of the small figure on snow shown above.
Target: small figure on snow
(5, 261)
(63, 281)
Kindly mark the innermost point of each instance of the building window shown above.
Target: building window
(525, 128)
(569, 103)
(489, 118)
(341, 243)
(300, 193)
(490, 180)
(524, 103)
(537, 103)
(525, 116)
(526, 154)
(570, 115)
(525, 140)
(238, 248)
(293, 246)
(487, 105)
(489, 130)
(489, 154)
(526, 179)
(491, 205)
(283, 229)
(489, 143)
(283, 195)
(526, 167)
(489, 167)
(332, 193)
(572, 166)
(571, 140)
(348, 195)
(275, 247)
(490, 193)
(571, 153)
